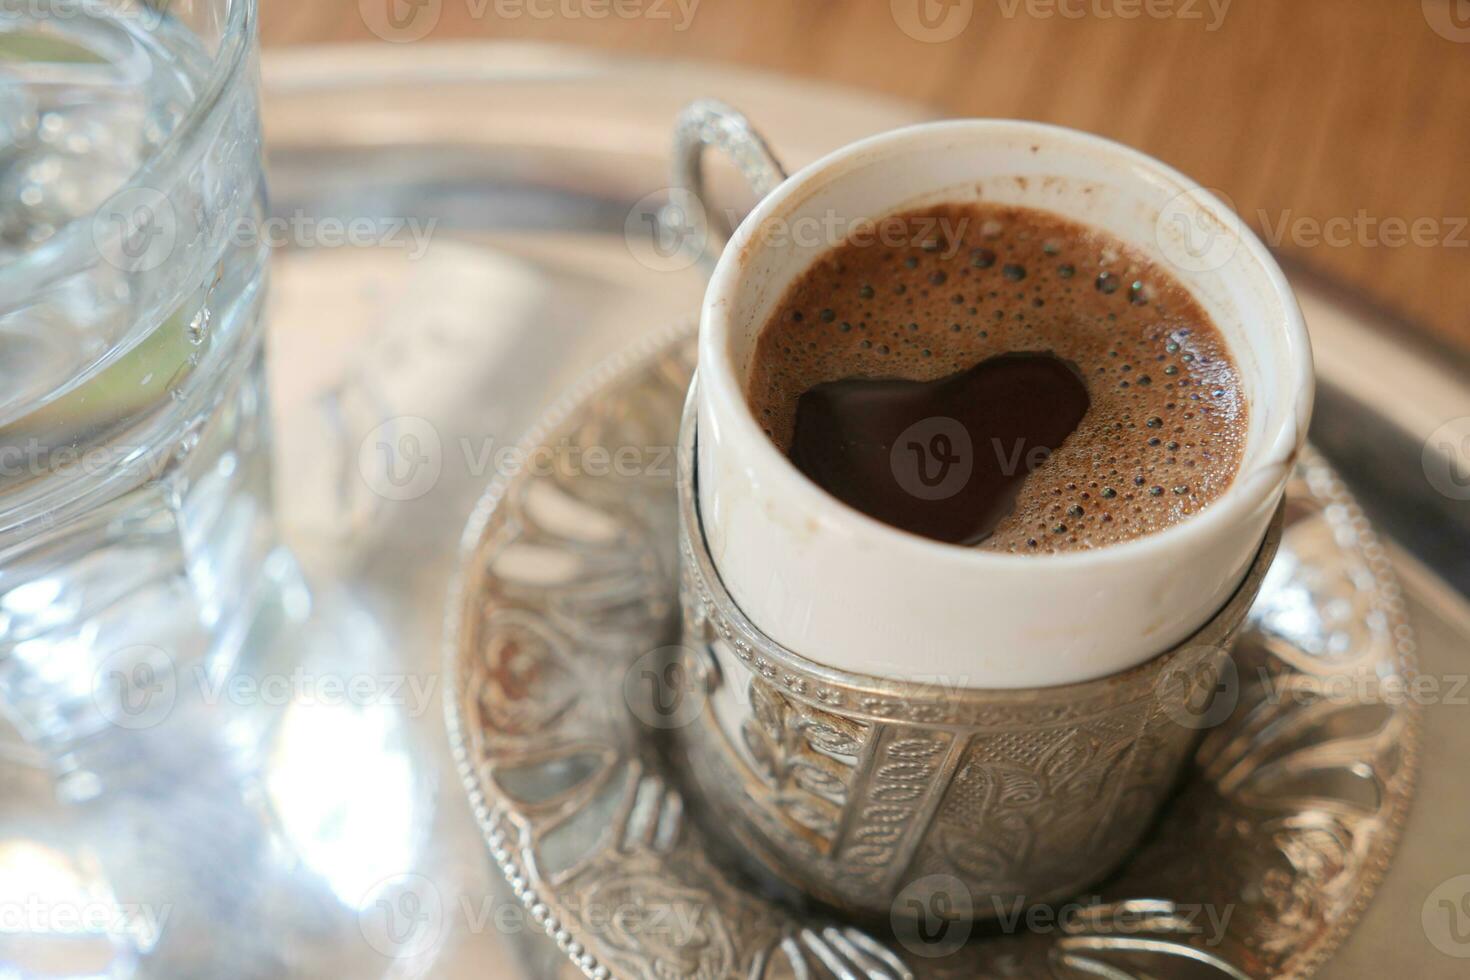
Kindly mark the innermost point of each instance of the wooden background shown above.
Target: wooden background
(1339, 128)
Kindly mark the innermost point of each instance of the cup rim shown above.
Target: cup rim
(719, 379)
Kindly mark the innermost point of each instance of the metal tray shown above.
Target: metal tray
(312, 841)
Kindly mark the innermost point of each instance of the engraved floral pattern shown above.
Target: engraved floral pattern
(805, 759)
(1038, 798)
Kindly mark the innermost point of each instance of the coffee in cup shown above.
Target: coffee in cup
(1002, 377)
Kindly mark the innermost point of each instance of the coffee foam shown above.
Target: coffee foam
(943, 288)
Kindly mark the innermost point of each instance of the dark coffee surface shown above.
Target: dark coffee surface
(903, 451)
(889, 375)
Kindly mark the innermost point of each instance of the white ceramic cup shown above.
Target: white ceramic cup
(850, 592)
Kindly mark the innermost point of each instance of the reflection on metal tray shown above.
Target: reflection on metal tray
(284, 845)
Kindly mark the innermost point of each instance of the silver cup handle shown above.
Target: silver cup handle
(711, 123)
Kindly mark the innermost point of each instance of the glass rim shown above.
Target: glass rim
(67, 252)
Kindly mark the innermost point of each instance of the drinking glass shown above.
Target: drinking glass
(137, 548)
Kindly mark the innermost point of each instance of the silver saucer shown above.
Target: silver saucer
(1261, 867)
